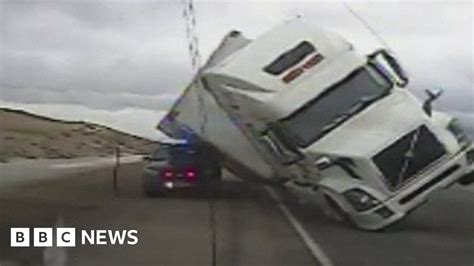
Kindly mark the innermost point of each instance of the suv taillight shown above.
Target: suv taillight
(168, 174)
(191, 175)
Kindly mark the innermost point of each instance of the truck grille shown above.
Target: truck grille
(409, 156)
(431, 183)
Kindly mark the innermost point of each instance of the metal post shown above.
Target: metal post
(116, 169)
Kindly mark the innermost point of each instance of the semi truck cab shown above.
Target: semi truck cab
(340, 123)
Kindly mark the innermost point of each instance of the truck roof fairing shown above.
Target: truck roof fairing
(251, 63)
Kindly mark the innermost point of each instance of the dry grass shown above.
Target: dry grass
(26, 135)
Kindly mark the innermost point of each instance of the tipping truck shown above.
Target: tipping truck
(300, 108)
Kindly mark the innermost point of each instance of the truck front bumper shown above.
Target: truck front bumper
(416, 193)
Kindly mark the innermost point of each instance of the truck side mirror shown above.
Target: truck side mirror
(383, 57)
(432, 96)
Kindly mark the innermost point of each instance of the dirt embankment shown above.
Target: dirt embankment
(26, 135)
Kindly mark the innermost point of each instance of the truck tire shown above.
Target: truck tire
(339, 214)
(466, 179)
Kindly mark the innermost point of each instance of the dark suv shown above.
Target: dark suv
(177, 166)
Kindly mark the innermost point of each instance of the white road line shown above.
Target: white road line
(98, 162)
(55, 256)
(79, 165)
(312, 246)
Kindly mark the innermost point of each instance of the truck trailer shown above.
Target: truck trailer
(299, 107)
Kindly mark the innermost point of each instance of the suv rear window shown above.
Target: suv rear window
(182, 155)
(289, 58)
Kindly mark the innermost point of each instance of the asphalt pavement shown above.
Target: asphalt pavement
(249, 226)
(439, 233)
(249, 229)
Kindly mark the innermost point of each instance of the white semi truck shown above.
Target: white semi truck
(300, 108)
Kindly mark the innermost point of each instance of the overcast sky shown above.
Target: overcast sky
(123, 63)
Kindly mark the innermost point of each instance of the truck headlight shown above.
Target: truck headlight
(360, 199)
(456, 129)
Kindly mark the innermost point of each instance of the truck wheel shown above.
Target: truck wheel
(466, 179)
(338, 213)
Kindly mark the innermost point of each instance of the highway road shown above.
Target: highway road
(251, 225)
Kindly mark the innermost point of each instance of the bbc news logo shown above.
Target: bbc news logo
(66, 237)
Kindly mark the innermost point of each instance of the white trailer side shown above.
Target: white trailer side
(196, 110)
(224, 134)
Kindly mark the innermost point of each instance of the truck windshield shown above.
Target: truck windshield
(336, 105)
